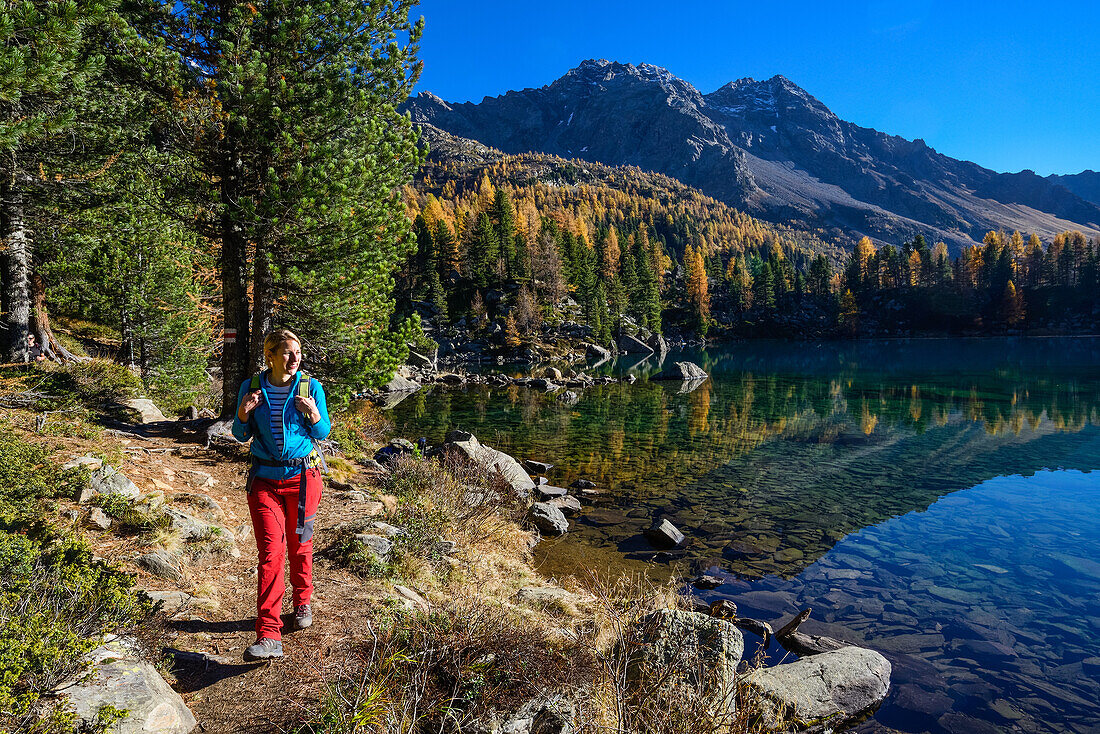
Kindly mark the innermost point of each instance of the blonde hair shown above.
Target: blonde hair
(277, 337)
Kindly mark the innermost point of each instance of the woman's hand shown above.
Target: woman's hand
(249, 404)
(308, 408)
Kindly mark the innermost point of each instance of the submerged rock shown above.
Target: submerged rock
(664, 534)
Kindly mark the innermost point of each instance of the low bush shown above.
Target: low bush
(445, 671)
(56, 602)
(359, 429)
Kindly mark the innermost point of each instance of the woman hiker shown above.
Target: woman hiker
(283, 412)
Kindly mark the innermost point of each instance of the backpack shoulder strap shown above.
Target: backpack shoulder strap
(255, 384)
(303, 386)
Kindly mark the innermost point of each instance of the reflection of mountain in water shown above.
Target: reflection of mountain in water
(790, 446)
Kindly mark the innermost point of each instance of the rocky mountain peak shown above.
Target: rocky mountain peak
(768, 146)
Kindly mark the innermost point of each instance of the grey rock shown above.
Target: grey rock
(688, 650)
(92, 462)
(188, 526)
(543, 595)
(549, 491)
(117, 678)
(419, 601)
(657, 343)
(145, 410)
(568, 504)
(466, 444)
(664, 534)
(419, 360)
(537, 467)
(630, 345)
(596, 352)
(108, 480)
(681, 371)
(160, 565)
(832, 689)
(378, 545)
(548, 519)
(98, 518)
(583, 484)
(390, 531)
(170, 601)
(400, 384)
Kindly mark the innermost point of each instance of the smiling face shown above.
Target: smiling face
(284, 358)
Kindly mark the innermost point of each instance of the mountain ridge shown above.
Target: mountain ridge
(768, 147)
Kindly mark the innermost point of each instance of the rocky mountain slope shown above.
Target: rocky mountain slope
(1085, 184)
(768, 147)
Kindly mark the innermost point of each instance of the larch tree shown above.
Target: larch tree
(288, 109)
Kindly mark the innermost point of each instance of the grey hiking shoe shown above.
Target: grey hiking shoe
(303, 616)
(264, 648)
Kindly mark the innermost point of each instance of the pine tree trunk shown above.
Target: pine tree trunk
(234, 266)
(17, 267)
(262, 305)
(51, 348)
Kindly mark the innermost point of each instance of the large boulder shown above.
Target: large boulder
(400, 384)
(466, 444)
(832, 689)
(681, 371)
(693, 652)
(118, 678)
(548, 519)
(657, 343)
(631, 345)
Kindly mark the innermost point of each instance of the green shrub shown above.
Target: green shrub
(56, 603)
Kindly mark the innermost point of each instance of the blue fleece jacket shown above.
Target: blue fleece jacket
(298, 434)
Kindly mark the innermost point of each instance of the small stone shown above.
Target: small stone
(582, 484)
(707, 582)
(98, 518)
(418, 600)
(537, 467)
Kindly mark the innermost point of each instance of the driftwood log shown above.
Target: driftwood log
(802, 644)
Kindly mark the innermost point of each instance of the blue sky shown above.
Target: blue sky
(1008, 85)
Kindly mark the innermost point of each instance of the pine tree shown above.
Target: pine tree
(483, 254)
(290, 111)
(61, 118)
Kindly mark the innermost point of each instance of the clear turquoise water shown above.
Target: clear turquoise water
(933, 499)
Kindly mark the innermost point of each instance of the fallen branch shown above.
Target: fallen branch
(802, 644)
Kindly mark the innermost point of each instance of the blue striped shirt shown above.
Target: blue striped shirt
(277, 397)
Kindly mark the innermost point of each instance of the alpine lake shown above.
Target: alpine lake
(937, 500)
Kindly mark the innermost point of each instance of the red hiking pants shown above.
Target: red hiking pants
(273, 505)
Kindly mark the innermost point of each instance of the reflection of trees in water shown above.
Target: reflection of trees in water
(624, 433)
